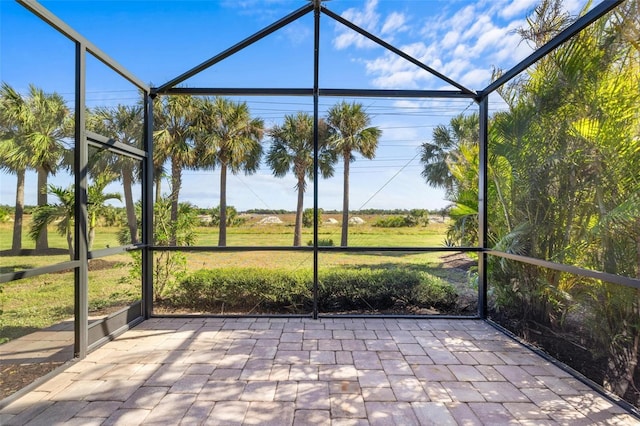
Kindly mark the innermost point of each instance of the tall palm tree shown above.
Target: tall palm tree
(228, 137)
(14, 155)
(50, 123)
(123, 124)
(174, 119)
(292, 149)
(39, 123)
(349, 123)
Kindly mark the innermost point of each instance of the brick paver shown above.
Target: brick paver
(299, 371)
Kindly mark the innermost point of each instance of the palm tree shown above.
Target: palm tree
(96, 203)
(292, 149)
(14, 156)
(447, 140)
(51, 123)
(39, 123)
(62, 213)
(350, 129)
(174, 119)
(229, 138)
(122, 124)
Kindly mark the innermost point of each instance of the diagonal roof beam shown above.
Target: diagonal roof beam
(581, 23)
(395, 50)
(237, 47)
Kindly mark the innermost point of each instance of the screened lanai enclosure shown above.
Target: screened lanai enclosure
(317, 167)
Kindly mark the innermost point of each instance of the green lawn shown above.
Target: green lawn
(33, 303)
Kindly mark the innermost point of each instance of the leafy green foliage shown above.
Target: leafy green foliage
(563, 166)
(168, 266)
(219, 290)
(307, 217)
(322, 242)
(232, 217)
(414, 218)
(268, 290)
(5, 214)
(380, 289)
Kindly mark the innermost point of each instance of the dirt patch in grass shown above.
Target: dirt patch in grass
(101, 264)
(458, 261)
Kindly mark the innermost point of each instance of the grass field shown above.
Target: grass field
(38, 302)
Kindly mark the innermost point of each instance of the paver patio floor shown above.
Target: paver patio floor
(298, 371)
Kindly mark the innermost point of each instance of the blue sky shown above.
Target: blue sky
(158, 40)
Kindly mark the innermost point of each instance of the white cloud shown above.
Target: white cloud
(517, 7)
(403, 103)
(450, 39)
(462, 50)
(461, 19)
(481, 24)
(297, 33)
(369, 20)
(395, 22)
(476, 78)
(405, 79)
(454, 68)
(489, 39)
(366, 19)
(464, 45)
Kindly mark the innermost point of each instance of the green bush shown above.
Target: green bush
(322, 242)
(266, 290)
(242, 289)
(395, 222)
(380, 289)
(307, 217)
(5, 214)
(232, 217)
(414, 218)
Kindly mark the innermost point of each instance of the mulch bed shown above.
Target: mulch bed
(14, 377)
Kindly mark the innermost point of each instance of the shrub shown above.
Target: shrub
(380, 289)
(5, 214)
(267, 290)
(322, 242)
(169, 267)
(232, 217)
(396, 222)
(307, 217)
(242, 288)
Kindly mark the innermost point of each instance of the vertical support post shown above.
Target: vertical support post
(482, 203)
(147, 210)
(81, 158)
(316, 57)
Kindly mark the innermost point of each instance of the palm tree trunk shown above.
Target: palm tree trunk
(69, 239)
(222, 237)
(42, 243)
(16, 244)
(158, 182)
(345, 202)
(176, 182)
(297, 234)
(127, 180)
(503, 203)
(92, 230)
